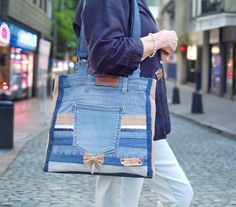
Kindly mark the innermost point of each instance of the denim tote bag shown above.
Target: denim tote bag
(103, 125)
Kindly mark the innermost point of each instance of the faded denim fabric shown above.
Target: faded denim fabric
(105, 106)
(99, 120)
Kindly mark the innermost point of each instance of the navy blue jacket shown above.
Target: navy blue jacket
(113, 51)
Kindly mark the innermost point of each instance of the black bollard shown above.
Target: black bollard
(175, 95)
(197, 107)
(6, 124)
(3, 96)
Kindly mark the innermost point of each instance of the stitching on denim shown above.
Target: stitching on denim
(116, 130)
(116, 100)
(76, 79)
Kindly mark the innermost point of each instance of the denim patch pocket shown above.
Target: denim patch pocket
(96, 128)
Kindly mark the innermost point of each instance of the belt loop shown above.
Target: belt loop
(125, 85)
(89, 84)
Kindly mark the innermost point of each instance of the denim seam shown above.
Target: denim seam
(116, 100)
(149, 129)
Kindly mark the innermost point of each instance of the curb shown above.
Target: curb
(217, 129)
(9, 157)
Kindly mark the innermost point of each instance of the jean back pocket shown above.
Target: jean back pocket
(99, 138)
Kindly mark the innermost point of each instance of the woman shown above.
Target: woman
(111, 51)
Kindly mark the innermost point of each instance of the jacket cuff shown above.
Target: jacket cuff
(137, 56)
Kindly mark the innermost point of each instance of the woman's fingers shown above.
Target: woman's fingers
(167, 40)
(168, 50)
(164, 52)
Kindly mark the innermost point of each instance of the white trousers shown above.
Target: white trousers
(170, 183)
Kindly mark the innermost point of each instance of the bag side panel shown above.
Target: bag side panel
(57, 97)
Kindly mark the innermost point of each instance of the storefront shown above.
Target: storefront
(216, 74)
(222, 79)
(230, 88)
(229, 54)
(17, 71)
(192, 66)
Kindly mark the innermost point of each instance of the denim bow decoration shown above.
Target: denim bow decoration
(94, 161)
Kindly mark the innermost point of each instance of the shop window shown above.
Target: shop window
(211, 6)
(2, 60)
(21, 77)
(216, 69)
(191, 65)
(229, 70)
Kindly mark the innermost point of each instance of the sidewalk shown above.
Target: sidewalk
(30, 119)
(219, 113)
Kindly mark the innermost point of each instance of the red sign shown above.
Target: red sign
(182, 48)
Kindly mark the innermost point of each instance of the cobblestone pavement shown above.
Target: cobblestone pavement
(208, 159)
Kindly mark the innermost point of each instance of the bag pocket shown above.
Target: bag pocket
(96, 128)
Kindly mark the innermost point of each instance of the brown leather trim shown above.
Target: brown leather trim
(133, 120)
(107, 80)
(55, 93)
(159, 74)
(128, 162)
(65, 119)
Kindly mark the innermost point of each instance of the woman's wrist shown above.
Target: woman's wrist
(155, 44)
(148, 45)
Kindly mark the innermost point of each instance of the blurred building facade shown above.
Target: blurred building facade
(25, 46)
(207, 43)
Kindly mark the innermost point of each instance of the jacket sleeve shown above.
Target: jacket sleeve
(106, 25)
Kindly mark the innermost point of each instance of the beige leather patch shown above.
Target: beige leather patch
(107, 80)
(65, 119)
(133, 120)
(159, 74)
(128, 162)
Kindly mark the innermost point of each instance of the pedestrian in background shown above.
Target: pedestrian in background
(107, 25)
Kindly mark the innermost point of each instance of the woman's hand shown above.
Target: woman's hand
(165, 40)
